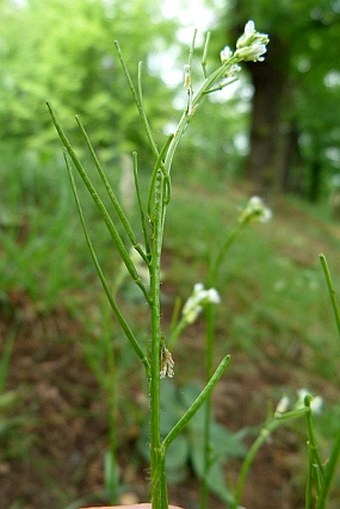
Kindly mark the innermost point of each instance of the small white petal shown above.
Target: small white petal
(316, 403)
(282, 405)
(213, 296)
(249, 29)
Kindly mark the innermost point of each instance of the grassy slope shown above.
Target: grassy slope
(275, 306)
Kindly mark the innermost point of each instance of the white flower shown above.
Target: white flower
(316, 403)
(255, 210)
(252, 45)
(253, 53)
(251, 36)
(199, 297)
(226, 54)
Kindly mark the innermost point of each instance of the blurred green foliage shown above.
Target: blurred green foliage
(65, 54)
(294, 126)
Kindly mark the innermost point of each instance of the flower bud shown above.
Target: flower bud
(226, 54)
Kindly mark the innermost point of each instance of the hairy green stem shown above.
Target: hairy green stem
(158, 497)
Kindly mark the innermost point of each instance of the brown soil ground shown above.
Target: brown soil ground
(57, 447)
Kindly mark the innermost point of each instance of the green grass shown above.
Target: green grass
(275, 304)
(42, 249)
(272, 284)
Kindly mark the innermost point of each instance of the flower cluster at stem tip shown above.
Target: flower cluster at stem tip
(255, 210)
(250, 47)
(316, 402)
(199, 297)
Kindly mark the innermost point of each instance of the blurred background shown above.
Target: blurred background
(275, 132)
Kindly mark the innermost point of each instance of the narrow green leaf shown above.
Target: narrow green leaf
(196, 405)
(205, 54)
(192, 47)
(138, 99)
(140, 206)
(121, 320)
(331, 290)
(113, 198)
(142, 111)
(100, 205)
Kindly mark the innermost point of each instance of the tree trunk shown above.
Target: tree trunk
(294, 176)
(266, 160)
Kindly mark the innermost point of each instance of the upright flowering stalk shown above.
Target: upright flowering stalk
(283, 414)
(155, 355)
(255, 210)
(251, 46)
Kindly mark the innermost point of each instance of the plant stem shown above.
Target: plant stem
(263, 436)
(209, 354)
(309, 483)
(329, 473)
(186, 117)
(312, 444)
(260, 440)
(214, 267)
(157, 462)
(111, 388)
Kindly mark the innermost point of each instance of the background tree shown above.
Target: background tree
(296, 92)
(63, 51)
